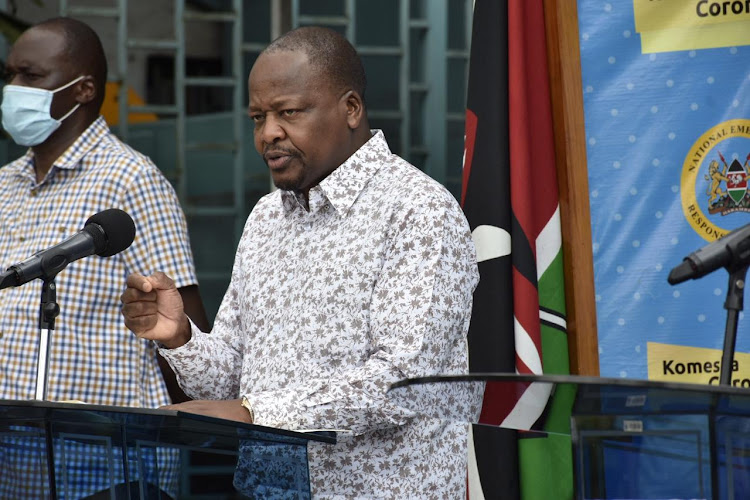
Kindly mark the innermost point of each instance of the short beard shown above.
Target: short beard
(287, 184)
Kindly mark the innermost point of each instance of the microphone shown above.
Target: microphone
(105, 233)
(730, 251)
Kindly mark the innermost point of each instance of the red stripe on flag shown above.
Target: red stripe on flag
(521, 366)
(469, 140)
(532, 155)
(499, 399)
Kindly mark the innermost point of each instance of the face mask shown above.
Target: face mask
(26, 113)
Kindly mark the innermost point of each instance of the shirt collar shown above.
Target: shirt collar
(72, 156)
(343, 186)
(85, 142)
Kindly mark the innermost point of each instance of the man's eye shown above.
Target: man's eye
(289, 112)
(256, 118)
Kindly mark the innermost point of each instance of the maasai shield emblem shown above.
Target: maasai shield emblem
(736, 181)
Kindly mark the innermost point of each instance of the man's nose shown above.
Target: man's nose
(272, 130)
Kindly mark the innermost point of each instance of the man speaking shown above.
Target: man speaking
(357, 272)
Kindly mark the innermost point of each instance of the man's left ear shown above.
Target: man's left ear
(86, 90)
(355, 109)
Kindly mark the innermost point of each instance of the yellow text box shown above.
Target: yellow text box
(651, 15)
(675, 25)
(702, 37)
(697, 365)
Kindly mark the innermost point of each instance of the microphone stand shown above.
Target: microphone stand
(733, 305)
(48, 311)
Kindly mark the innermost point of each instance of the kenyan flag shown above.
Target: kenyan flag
(736, 181)
(511, 202)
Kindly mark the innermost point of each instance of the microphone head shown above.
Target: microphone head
(682, 272)
(118, 231)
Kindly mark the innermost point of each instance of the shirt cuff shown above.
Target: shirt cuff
(185, 348)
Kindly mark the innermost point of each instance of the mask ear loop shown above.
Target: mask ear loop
(58, 89)
(63, 88)
(69, 112)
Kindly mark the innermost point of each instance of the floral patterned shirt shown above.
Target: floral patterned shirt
(331, 301)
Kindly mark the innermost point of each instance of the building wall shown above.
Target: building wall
(147, 19)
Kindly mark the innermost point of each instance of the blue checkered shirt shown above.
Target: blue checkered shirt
(94, 358)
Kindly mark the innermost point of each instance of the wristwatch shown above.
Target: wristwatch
(249, 407)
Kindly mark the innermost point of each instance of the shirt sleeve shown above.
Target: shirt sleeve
(209, 366)
(161, 237)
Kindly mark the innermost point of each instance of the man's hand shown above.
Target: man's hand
(230, 409)
(153, 310)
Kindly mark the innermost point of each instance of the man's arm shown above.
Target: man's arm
(153, 309)
(191, 300)
(142, 310)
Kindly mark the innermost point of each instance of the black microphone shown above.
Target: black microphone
(105, 233)
(730, 251)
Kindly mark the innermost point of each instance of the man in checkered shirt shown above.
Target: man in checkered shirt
(74, 168)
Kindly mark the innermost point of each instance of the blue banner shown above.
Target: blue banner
(666, 89)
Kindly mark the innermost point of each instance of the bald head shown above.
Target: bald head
(84, 51)
(327, 52)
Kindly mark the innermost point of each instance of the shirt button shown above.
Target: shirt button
(33, 193)
(21, 238)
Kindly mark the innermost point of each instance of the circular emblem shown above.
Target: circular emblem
(714, 181)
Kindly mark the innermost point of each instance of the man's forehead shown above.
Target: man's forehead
(279, 62)
(41, 42)
(290, 70)
(281, 56)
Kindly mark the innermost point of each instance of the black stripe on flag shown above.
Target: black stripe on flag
(487, 202)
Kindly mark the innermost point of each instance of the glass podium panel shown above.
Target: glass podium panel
(69, 450)
(631, 439)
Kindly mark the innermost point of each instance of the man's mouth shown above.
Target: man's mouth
(277, 159)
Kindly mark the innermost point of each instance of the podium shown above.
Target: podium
(631, 439)
(70, 450)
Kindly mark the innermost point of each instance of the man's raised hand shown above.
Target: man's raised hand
(153, 309)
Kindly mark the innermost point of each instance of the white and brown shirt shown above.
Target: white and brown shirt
(328, 305)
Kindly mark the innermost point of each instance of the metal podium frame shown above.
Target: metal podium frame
(657, 426)
(130, 445)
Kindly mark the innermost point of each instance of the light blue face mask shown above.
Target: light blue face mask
(26, 113)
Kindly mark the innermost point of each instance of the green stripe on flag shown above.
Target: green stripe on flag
(551, 288)
(545, 461)
(545, 471)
